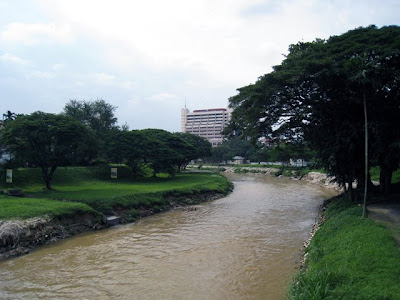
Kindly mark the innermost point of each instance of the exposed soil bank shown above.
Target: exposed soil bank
(18, 237)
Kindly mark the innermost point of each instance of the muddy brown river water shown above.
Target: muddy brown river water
(243, 246)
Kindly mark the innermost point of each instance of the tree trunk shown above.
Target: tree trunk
(382, 180)
(350, 191)
(48, 176)
(388, 182)
(385, 179)
(366, 154)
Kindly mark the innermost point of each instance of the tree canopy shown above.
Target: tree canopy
(44, 140)
(99, 117)
(316, 96)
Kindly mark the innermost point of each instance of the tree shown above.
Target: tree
(44, 140)
(99, 116)
(9, 116)
(197, 147)
(165, 152)
(315, 95)
(127, 147)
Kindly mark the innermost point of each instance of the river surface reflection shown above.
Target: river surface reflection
(244, 246)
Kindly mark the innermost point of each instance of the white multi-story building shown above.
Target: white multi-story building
(207, 123)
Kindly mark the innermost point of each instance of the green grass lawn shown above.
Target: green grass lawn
(93, 187)
(104, 195)
(90, 189)
(23, 208)
(349, 258)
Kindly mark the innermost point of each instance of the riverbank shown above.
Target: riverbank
(318, 178)
(18, 237)
(349, 257)
(47, 216)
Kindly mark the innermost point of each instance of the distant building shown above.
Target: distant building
(207, 123)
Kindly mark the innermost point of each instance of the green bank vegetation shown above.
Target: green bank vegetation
(23, 208)
(349, 258)
(80, 189)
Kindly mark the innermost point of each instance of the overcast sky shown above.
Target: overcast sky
(148, 57)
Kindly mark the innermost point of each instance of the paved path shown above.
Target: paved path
(388, 215)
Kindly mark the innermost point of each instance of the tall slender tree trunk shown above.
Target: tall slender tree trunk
(366, 154)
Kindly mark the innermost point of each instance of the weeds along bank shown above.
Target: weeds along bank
(83, 197)
(349, 258)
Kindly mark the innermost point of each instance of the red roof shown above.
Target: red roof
(211, 109)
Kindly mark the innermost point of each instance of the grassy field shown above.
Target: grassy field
(23, 208)
(92, 188)
(349, 258)
(375, 175)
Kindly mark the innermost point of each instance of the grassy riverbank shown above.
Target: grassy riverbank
(88, 189)
(24, 208)
(349, 258)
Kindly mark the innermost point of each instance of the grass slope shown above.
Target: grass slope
(91, 187)
(349, 258)
(105, 195)
(23, 208)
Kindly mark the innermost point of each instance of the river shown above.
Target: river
(243, 246)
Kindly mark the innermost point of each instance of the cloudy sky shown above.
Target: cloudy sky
(148, 57)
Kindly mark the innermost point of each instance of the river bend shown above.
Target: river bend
(243, 246)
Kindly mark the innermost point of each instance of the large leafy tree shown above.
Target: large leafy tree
(196, 147)
(320, 93)
(127, 147)
(97, 115)
(165, 152)
(45, 140)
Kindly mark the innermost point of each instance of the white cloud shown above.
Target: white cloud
(58, 67)
(41, 75)
(104, 78)
(13, 59)
(110, 80)
(26, 33)
(164, 98)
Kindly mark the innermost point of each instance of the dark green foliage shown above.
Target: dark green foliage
(44, 140)
(164, 150)
(197, 147)
(99, 117)
(317, 95)
(127, 147)
(157, 149)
